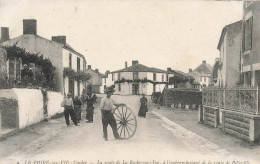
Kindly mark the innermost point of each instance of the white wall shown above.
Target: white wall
(149, 87)
(30, 104)
(66, 85)
(54, 101)
(73, 60)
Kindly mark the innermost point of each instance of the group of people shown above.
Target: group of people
(72, 108)
(107, 107)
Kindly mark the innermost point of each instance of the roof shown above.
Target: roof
(93, 71)
(195, 73)
(68, 47)
(236, 27)
(204, 68)
(140, 68)
(181, 73)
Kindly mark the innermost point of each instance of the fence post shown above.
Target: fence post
(257, 94)
(224, 98)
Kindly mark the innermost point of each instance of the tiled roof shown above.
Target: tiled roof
(181, 73)
(204, 69)
(140, 68)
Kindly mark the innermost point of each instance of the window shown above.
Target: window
(247, 34)
(154, 76)
(18, 69)
(247, 78)
(70, 60)
(78, 64)
(118, 76)
(135, 75)
(200, 79)
(167, 77)
(11, 67)
(162, 77)
(105, 80)
(205, 79)
(119, 87)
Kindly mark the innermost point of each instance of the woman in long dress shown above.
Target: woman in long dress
(143, 108)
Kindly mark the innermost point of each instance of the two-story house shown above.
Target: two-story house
(229, 47)
(137, 79)
(250, 57)
(202, 74)
(95, 79)
(56, 50)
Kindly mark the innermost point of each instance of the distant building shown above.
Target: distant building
(229, 47)
(137, 79)
(56, 50)
(202, 74)
(95, 80)
(250, 43)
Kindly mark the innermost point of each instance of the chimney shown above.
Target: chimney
(30, 26)
(125, 64)
(107, 72)
(96, 70)
(59, 39)
(89, 66)
(169, 69)
(134, 62)
(4, 34)
(190, 70)
(204, 61)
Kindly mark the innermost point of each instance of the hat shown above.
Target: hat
(109, 89)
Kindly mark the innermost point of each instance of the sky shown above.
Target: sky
(160, 34)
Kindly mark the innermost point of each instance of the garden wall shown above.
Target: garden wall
(54, 102)
(30, 102)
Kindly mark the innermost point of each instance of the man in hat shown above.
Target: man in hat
(107, 109)
(91, 100)
(69, 110)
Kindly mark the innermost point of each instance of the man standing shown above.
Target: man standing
(107, 109)
(91, 100)
(69, 110)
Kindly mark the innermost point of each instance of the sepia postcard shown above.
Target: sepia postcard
(129, 82)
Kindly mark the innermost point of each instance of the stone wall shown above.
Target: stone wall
(3, 68)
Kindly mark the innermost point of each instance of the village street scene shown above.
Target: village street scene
(129, 82)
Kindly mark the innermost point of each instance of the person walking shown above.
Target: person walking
(69, 109)
(91, 100)
(77, 103)
(107, 109)
(143, 108)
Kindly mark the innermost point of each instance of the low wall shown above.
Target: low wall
(211, 116)
(245, 126)
(30, 103)
(54, 102)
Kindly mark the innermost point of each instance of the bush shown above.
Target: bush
(184, 97)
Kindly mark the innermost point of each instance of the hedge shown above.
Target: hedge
(182, 96)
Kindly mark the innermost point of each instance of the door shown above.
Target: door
(71, 86)
(135, 89)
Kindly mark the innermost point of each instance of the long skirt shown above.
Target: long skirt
(142, 110)
(90, 111)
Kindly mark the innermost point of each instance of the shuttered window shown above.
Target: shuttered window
(247, 34)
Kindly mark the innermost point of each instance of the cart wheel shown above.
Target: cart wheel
(126, 121)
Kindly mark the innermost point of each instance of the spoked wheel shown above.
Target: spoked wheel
(126, 121)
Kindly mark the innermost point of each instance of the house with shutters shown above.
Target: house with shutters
(137, 79)
(57, 50)
(250, 57)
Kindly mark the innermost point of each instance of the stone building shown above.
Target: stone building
(95, 80)
(56, 50)
(137, 79)
(229, 47)
(202, 74)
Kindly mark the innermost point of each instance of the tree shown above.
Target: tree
(217, 69)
